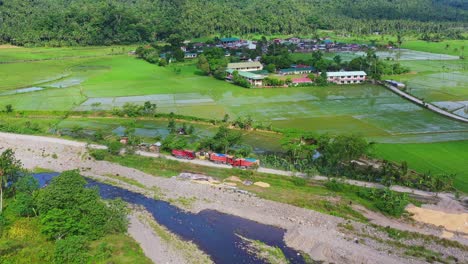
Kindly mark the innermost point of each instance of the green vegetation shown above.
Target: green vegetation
(301, 193)
(443, 157)
(61, 223)
(184, 202)
(143, 21)
(111, 81)
(452, 47)
(270, 254)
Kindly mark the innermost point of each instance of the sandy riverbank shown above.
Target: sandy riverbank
(314, 233)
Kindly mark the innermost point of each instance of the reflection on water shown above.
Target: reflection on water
(215, 233)
(22, 90)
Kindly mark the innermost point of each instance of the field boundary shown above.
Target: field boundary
(420, 102)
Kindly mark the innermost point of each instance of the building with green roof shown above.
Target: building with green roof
(254, 79)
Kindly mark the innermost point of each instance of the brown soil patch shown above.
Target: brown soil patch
(451, 222)
(262, 184)
(8, 46)
(234, 179)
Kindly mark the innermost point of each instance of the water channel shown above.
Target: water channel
(214, 232)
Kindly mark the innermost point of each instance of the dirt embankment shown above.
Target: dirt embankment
(317, 234)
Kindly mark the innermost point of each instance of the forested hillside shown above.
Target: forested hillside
(98, 22)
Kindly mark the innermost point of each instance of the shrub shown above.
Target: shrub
(299, 181)
(23, 205)
(334, 185)
(386, 200)
(98, 154)
(114, 147)
(71, 250)
(67, 208)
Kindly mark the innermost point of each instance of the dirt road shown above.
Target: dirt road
(314, 233)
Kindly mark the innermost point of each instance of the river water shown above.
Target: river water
(214, 232)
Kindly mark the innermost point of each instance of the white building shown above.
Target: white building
(346, 77)
(246, 66)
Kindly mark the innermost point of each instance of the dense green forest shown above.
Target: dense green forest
(101, 22)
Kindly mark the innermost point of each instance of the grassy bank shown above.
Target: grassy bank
(291, 190)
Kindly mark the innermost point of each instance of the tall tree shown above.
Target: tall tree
(10, 171)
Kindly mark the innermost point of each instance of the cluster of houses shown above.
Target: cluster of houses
(322, 44)
(253, 72)
(234, 45)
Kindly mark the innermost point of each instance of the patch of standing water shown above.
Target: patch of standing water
(215, 233)
(67, 82)
(463, 112)
(22, 90)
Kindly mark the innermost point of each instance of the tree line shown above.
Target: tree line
(106, 22)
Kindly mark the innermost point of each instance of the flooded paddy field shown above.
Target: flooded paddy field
(105, 82)
(396, 54)
(443, 81)
(157, 130)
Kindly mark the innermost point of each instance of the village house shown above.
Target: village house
(254, 79)
(346, 77)
(294, 40)
(190, 55)
(231, 41)
(297, 69)
(246, 66)
(303, 80)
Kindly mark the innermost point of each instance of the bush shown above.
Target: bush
(71, 250)
(386, 200)
(174, 142)
(334, 185)
(67, 208)
(299, 181)
(114, 147)
(23, 204)
(98, 154)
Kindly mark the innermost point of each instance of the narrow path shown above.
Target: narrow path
(291, 174)
(317, 234)
(424, 104)
(18, 137)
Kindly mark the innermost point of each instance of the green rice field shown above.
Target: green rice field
(443, 157)
(66, 81)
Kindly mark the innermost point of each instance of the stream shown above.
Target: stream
(216, 233)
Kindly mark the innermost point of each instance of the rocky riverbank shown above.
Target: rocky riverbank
(323, 237)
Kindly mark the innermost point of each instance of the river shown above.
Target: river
(214, 232)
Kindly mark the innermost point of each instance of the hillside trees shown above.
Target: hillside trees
(106, 22)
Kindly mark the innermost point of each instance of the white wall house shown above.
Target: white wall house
(246, 66)
(346, 77)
